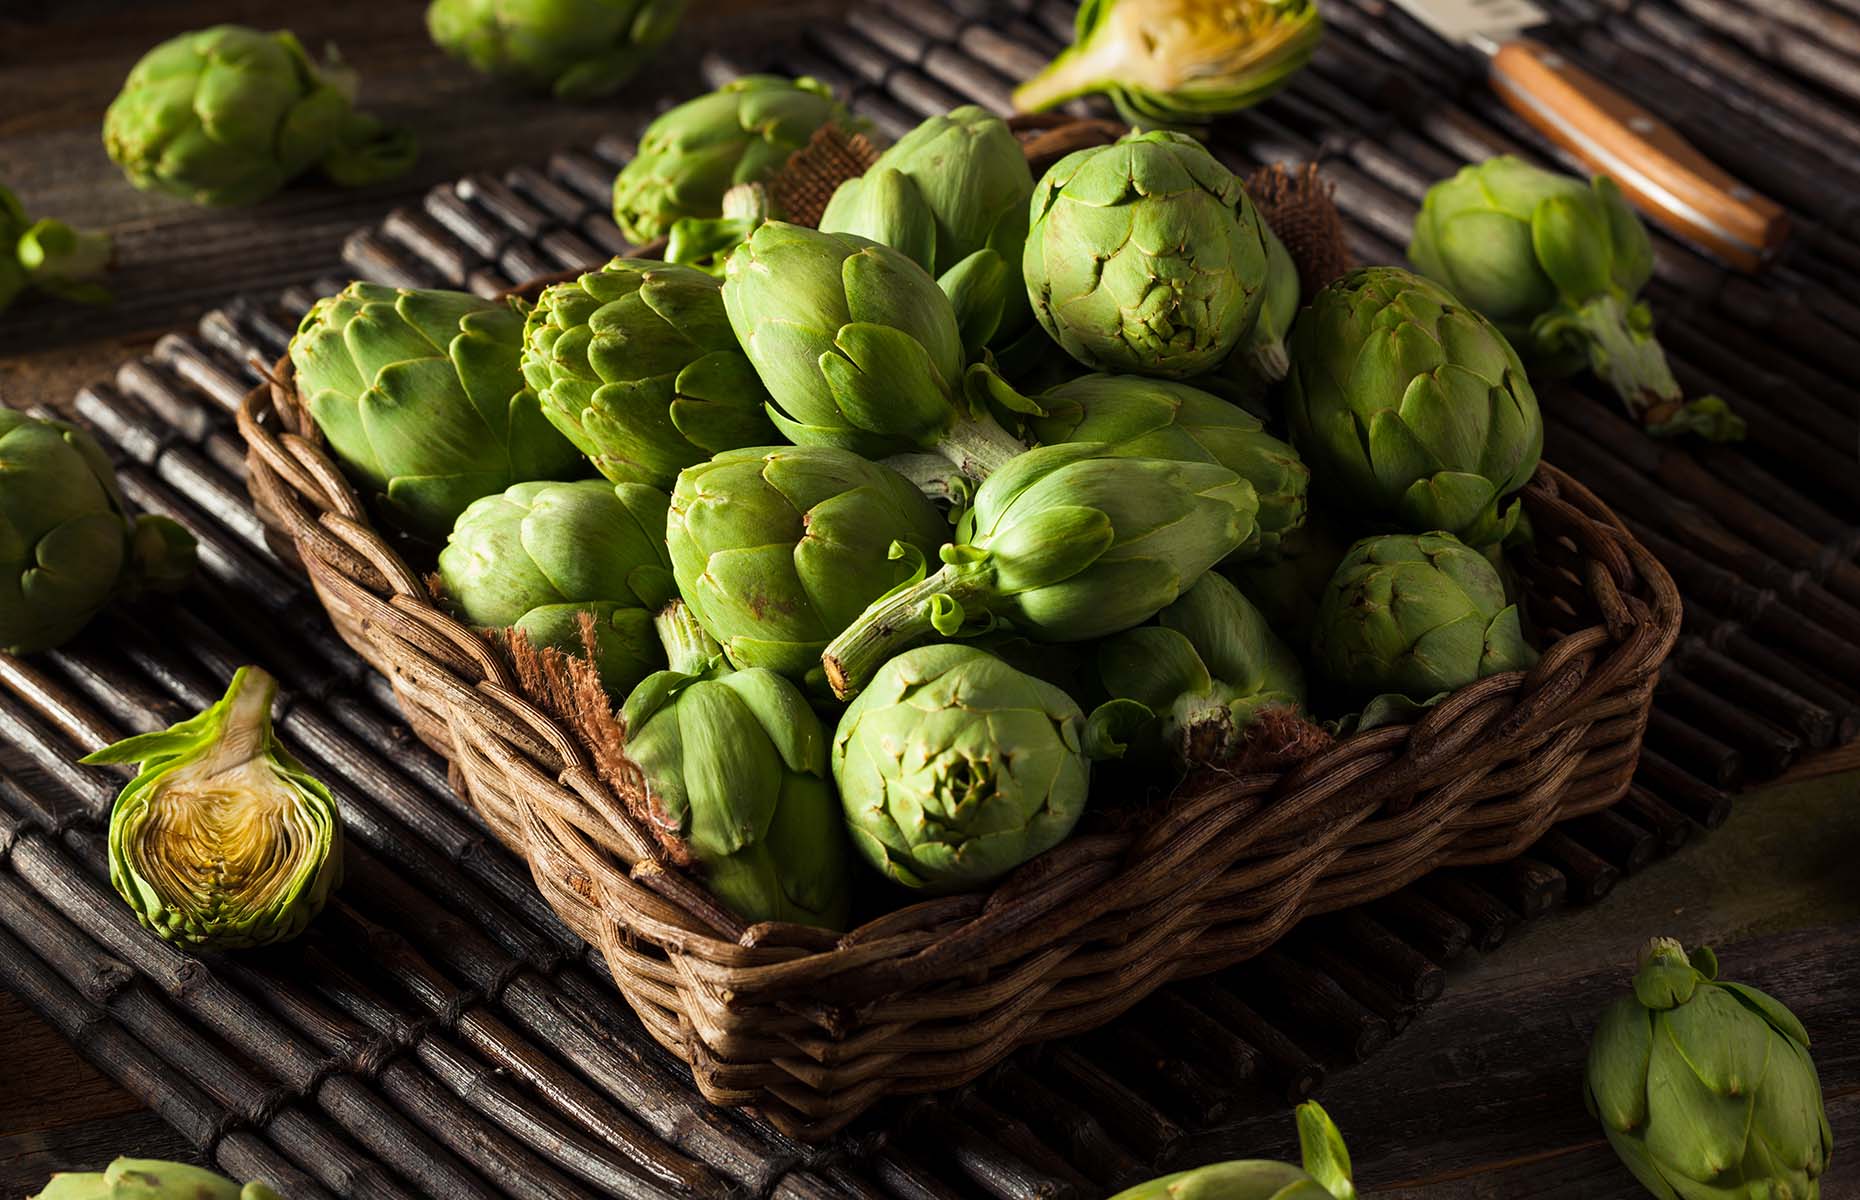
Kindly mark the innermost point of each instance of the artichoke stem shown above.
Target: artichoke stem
(689, 650)
(247, 723)
(1630, 360)
(1272, 360)
(1077, 71)
(894, 623)
(935, 476)
(979, 446)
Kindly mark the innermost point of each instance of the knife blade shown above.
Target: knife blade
(1662, 173)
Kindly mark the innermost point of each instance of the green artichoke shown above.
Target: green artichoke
(735, 764)
(576, 49)
(538, 555)
(742, 132)
(1145, 256)
(1288, 586)
(1418, 615)
(858, 347)
(1158, 418)
(149, 1179)
(952, 194)
(422, 398)
(777, 549)
(635, 363)
(1194, 681)
(1178, 63)
(1557, 264)
(222, 840)
(1066, 543)
(229, 115)
(954, 768)
(68, 545)
(49, 255)
(1411, 408)
(1705, 1088)
(1326, 1173)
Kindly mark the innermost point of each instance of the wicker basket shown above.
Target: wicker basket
(811, 1027)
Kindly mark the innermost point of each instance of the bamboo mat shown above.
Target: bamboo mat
(440, 1033)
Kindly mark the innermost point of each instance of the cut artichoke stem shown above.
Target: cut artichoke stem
(935, 476)
(978, 446)
(1630, 360)
(902, 619)
(688, 649)
(1271, 359)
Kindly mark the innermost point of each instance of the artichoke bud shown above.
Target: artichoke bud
(1705, 1087)
(577, 49)
(954, 768)
(222, 840)
(1326, 1173)
(1145, 256)
(150, 1179)
(1178, 63)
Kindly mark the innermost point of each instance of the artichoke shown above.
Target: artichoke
(777, 549)
(576, 49)
(222, 840)
(1326, 1173)
(1195, 680)
(149, 1179)
(68, 545)
(735, 764)
(1145, 256)
(1288, 586)
(1557, 264)
(49, 255)
(538, 555)
(1178, 63)
(1705, 1088)
(636, 365)
(229, 115)
(1066, 543)
(1418, 615)
(858, 347)
(742, 132)
(952, 194)
(954, 768)
(422, 398)
(1411, 408)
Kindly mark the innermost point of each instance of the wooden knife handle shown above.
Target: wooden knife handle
(1659, 170)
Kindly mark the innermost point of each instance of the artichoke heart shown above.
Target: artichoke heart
(222, 840)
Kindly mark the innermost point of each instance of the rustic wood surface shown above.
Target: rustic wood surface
(1478, 1098)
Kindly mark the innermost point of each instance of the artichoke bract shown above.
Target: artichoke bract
(222, 840)
(858, 347)
(952, 194)
(1066, 543)
(421, 396)
(1558, 264)
(1705, 1087)
(228, 115)
(735, 764)
(1325, 1176)
(1196, 679)
(1145, 256)
(1410, 408)
(1417, 615)
(575, 49)
(537, 555)
(1178, 63)
(49, 255)
(636, 365)
(954, 768)
(150, 1179)
(68, 545)
(691, 155)
(777, 549)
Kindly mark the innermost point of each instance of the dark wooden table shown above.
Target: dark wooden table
(1479, 1098)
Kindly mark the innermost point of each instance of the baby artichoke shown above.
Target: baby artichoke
(777, 549)
(537, 555)
(1410, 407)
(68, 545)
(222, 840)
(576, 49)
(636, 365)
(858, 347)
(742, 132)
(735, 764)
(1194, 681)
(49, 255)
(1145, 256)
(149, 1179)
(954, 768)
(1705, 1088)
(1066, 543)
(1418, 615)
(953, 195)
(229, 115)
(1558, 265)
(1178, 63)
(1326, 1173)
(421, 396)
